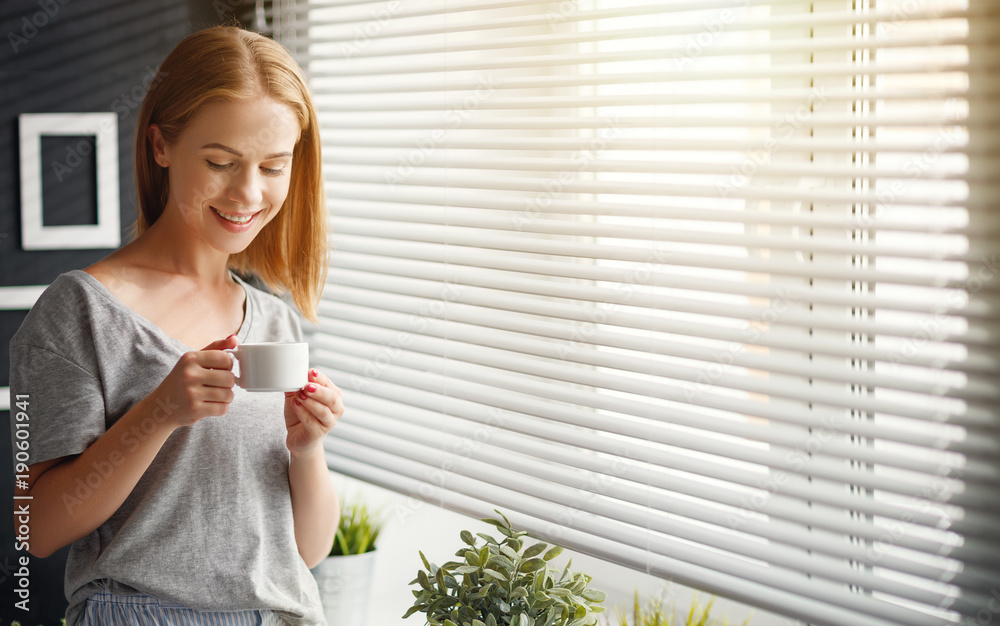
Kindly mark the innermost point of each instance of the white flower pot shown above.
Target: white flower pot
(344, 583)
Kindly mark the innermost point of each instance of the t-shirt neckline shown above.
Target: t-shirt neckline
(100, 287)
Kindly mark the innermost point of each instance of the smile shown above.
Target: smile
(235, 219)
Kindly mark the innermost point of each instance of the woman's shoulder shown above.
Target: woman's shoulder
(273, 319)
(65, 310)
(65, 295)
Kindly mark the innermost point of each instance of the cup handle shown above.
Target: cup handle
(233, 353)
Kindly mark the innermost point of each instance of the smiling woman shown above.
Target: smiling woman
(234, 109)
(123, 464)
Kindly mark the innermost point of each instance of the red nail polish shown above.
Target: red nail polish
(311, 388)
(297, 402)
(313, 373)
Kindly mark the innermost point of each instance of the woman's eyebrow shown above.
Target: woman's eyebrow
(236, 152)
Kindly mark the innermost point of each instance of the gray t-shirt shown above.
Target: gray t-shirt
(209, 525)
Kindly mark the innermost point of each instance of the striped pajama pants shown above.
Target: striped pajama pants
(105, 609)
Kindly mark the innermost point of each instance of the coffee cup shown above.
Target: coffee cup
(272, 366)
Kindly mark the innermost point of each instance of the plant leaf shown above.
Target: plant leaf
(553, 553)
(594, 595)
(492, 573)
(510, 553)
(532, 565)
(534, 550)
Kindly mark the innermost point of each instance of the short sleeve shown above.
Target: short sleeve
(63, 402)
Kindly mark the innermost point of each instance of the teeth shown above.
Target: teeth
(234, 218)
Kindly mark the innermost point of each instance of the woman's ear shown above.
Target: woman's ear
(158, 144)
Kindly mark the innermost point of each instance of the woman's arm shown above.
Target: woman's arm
(310, 414)
(72, 496)
(315, 508)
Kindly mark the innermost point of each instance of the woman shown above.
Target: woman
(185, 498)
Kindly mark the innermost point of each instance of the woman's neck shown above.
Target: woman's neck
(169, 245)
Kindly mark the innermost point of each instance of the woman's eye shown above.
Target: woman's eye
(218, 167)
(271, 172)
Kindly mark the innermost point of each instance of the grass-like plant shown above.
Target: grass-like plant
(357, 531)
(504, 582)
(658, 613)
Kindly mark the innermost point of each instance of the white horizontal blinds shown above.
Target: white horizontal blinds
(703, 288)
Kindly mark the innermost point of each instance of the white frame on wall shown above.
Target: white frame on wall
(107, 232)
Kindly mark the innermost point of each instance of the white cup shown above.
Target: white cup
(274, 366)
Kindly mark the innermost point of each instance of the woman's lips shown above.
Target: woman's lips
(235, 226)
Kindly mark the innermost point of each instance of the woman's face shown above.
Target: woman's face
(230, 168)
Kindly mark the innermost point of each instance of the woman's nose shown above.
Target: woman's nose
(245, 188)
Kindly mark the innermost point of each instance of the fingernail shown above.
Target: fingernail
(297, 402)
(313, 372)
(311, 388)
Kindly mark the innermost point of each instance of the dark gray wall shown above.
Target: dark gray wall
(69, 56)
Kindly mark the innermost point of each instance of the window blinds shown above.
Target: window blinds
(707, 289)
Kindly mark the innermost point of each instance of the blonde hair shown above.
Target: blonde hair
(229, 64)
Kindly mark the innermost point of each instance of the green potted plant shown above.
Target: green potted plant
(345, 576)
(658, 613)
(504, 582)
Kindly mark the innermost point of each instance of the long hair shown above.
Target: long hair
(227, 63)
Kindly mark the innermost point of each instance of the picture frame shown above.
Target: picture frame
(106, 233)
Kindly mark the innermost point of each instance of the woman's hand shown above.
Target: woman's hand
(200, 385)
(310, 414)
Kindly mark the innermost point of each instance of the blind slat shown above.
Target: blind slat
(575, 228)
(944, 224)
(362, 66)
(389, 85)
